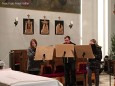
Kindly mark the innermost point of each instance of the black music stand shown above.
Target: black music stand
(64, 51)
(110, 68)
(85, 52)
(44, 54)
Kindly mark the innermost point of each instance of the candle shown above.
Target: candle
(16, 18)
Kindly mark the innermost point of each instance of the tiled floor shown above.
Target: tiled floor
(105, 80)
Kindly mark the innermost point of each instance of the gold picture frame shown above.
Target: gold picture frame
(59, 27)
(44, 27)
(28, 26)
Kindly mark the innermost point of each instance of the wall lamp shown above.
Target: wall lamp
(16, 21)
(71, 24)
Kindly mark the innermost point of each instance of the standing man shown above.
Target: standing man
(70, 66)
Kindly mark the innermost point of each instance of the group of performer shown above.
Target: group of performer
(93, 65)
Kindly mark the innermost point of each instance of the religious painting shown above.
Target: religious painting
(28, 26)
(44, 27)
(59, 27)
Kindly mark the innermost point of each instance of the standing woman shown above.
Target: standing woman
(33, 66)
(94, 64)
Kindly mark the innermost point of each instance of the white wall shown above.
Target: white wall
(109, 23)
(112, 16)
(89, 20)
(13, 38)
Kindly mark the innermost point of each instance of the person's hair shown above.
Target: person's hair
(94, 41)
(67, 37)
(32, 41)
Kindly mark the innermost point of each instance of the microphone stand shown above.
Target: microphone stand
(64, 64)
(84, 66)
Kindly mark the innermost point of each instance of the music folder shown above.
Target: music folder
(84, 51)
(44, 53)
(64, 50)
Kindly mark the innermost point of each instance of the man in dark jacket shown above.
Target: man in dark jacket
(94, 64)
(69, 64)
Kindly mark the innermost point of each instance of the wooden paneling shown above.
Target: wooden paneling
(18, 60)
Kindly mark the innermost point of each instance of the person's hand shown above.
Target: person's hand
(34, 45)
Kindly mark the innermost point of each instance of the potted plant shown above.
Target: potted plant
(113, 47)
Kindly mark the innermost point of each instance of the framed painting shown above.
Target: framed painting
(44, 27)
(28, 26)
(59, 27)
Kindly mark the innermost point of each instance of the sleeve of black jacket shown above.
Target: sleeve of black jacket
(99, 54)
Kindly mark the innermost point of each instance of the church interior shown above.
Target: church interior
(50, 23)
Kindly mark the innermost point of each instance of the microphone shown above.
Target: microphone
(43, 57)
(64, 53)
(83, 54)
